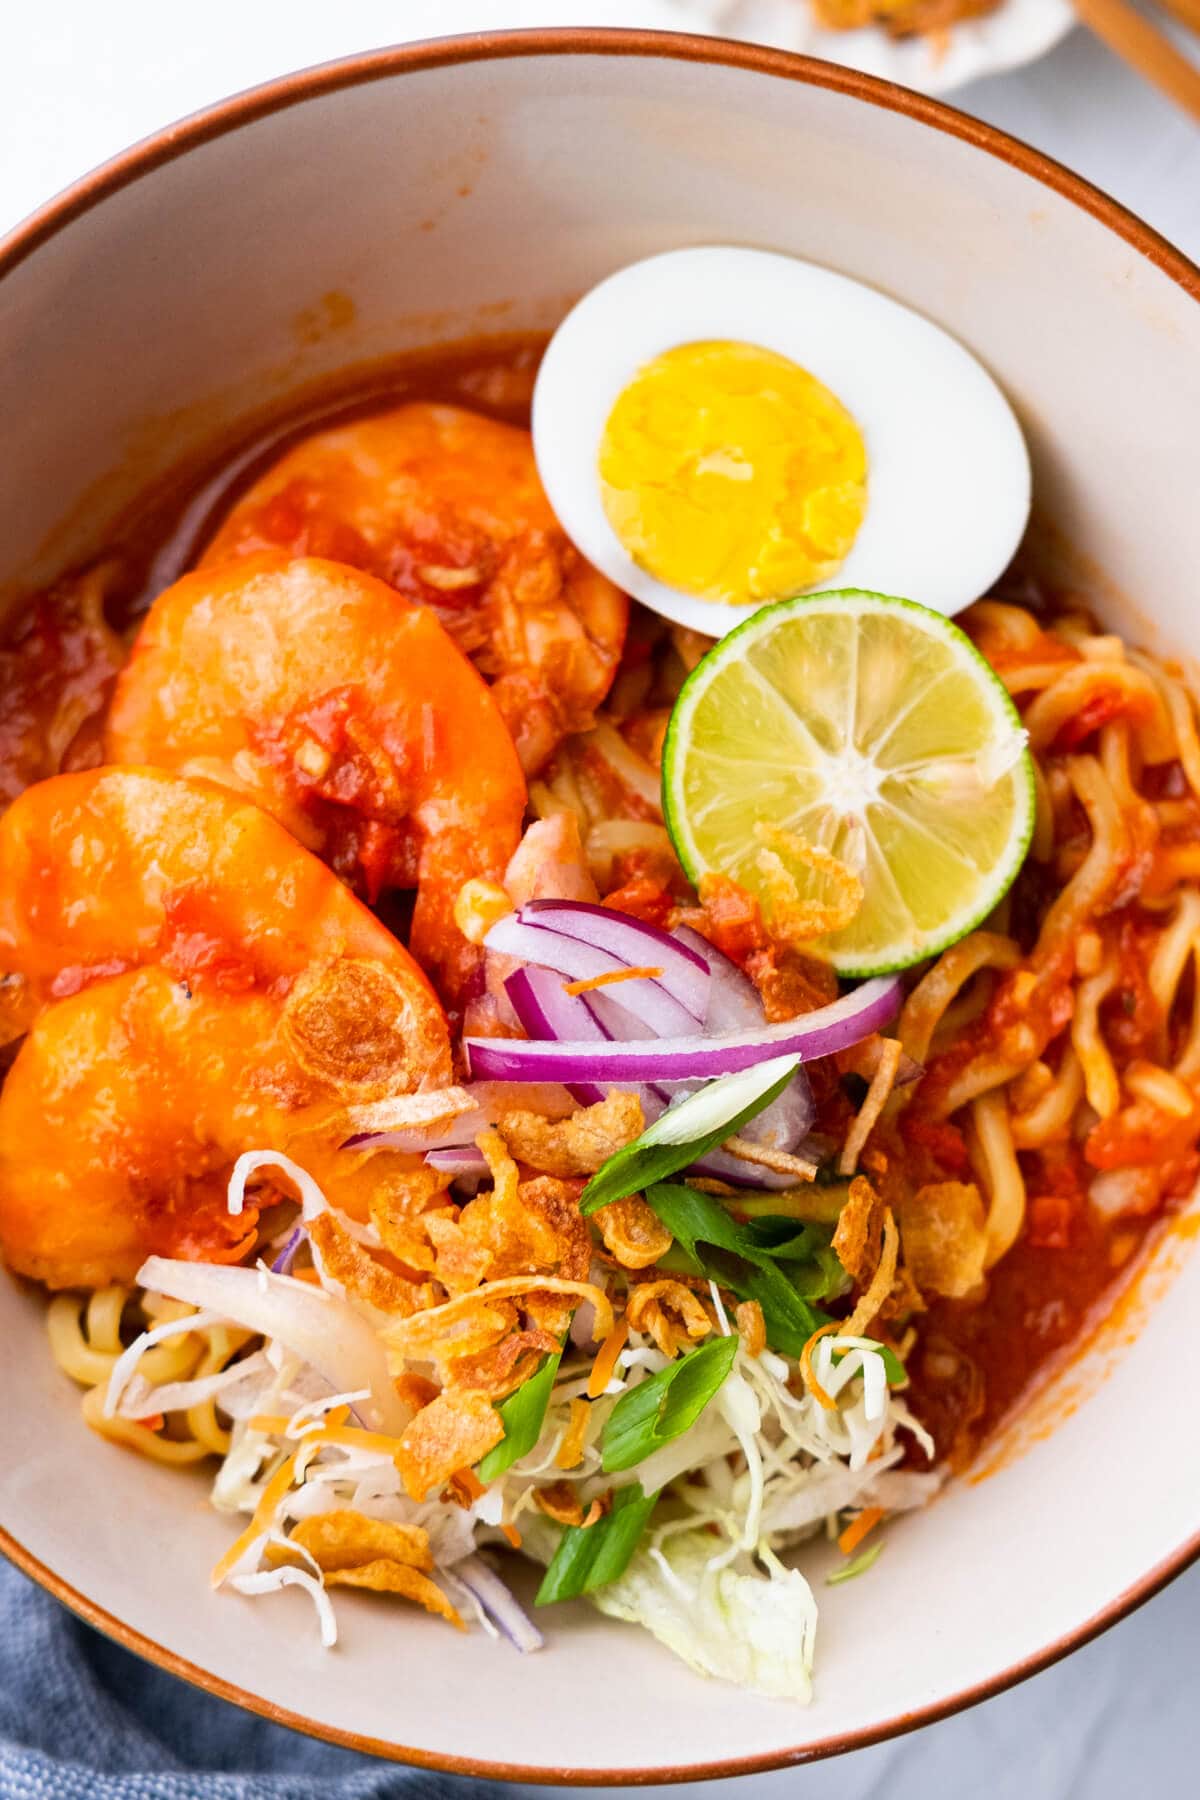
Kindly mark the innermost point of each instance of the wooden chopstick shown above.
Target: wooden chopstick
(1186, 11)
(1132, 37)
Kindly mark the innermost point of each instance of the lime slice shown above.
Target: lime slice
(868, 728)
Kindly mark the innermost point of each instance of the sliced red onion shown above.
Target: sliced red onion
(547, 1012)
(287, 1256)
(463, 1159)
(735, 1004)
(498, 1603)
(733, 999)
(830, 1028)
(317, 1327)
(685, 970)
(462, 1130)
(647, 998)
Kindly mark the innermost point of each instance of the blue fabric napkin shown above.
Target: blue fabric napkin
(82, 1719)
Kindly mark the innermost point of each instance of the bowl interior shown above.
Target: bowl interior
(443, 194)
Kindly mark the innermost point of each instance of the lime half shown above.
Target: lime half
(867, 730)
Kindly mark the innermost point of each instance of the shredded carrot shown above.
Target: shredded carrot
(614, 975)
(344, 1437)
(264, 1518)
(308, 1274)
(513, 1535)
(606, 1359)
(858, 1528)
(806, 1369)
(570, 1451)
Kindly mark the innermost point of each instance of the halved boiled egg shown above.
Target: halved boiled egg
(718, 428)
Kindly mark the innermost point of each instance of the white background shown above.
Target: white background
(81, 79)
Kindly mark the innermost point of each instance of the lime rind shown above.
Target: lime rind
(777, 781)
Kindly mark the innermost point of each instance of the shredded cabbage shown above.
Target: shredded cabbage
(764, 1466)
(737, 1623)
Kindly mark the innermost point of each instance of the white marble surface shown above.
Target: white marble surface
(78, 82)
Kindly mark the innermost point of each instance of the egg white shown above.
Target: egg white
(948, 477)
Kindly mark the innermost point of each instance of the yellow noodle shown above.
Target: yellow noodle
(1029, 678)
(1100, 870)
(70, 1348)
(1187, 1063)
(1015, 624)
(153, 1444)
(224, 1342)
(1175, 946)
(950, 973)
(1161, 1088)
(103, 1319)
(1080, 683)
(1181, 710)
(1099, 1076)
(1048, 1120)
(85, 1342)
(999, 1172)
(1041, 845)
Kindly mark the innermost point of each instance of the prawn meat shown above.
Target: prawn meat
(446, 505)
(197, 984)
(345, 711)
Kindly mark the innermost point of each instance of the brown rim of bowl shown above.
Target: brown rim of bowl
(291, 90)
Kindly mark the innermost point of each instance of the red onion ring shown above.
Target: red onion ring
(830, 1028)
(648, 998)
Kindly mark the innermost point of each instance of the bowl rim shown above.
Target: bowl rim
(244, 108)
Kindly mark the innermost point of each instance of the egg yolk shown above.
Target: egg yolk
(729, 472)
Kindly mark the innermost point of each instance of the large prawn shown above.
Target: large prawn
(344, 710)
(446, 505)
(196, 984)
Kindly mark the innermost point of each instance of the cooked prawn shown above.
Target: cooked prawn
(224, 991)
(345, 711)
(446, 505)
(113, 869)
(124, 1112)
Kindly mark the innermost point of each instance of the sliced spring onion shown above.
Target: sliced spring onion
(589, 1557)
(665, 1404)
(858, 1565)
(523, 1414)
(789, 1318)
(734, 1004)
(684, 1058)
(687, 1130)
(748, 1265)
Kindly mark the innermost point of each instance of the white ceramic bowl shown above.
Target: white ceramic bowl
(1017, 32)
(483, 185)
